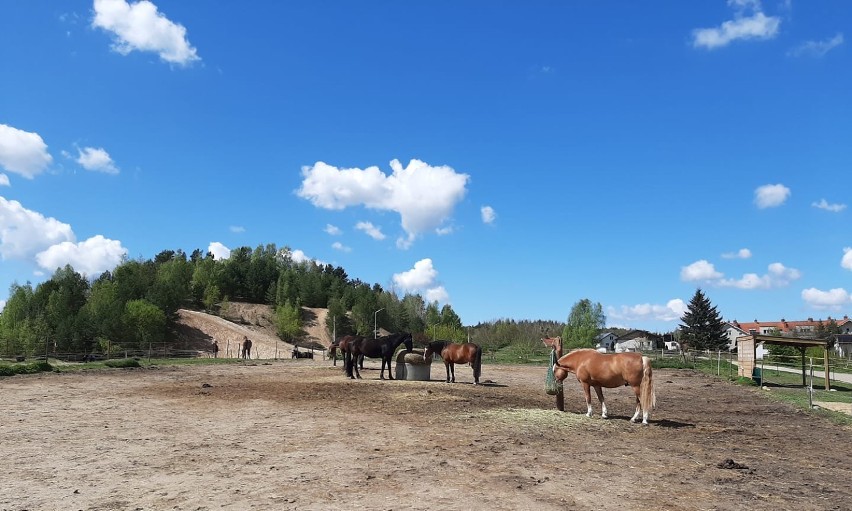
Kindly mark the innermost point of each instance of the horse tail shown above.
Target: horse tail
(647, 396)
(477, 363)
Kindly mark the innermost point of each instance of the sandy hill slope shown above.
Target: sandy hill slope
(197, 330)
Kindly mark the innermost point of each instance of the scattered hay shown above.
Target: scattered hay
(539, 417)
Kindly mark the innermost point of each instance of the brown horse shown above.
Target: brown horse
(453, 354)
(344, 345)
(598, 370)
(383, 348)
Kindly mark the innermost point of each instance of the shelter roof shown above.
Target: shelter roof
(789, 341)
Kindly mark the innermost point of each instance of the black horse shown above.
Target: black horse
(383, 347)
(344, 346)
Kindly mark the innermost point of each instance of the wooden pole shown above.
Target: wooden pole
(827, 369)
(802, 350)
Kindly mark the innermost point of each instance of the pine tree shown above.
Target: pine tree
(702, 327)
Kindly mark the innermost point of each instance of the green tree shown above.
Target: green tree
(288, 320)
(584, 324)
(701, 325)
(145, 322)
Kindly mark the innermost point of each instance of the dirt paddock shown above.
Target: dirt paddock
(296, 434)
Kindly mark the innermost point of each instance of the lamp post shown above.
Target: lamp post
(375, 323)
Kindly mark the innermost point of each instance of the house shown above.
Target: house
(732, 332)
(843, 345)
(793, 328)
(638, 340)
(606, 341)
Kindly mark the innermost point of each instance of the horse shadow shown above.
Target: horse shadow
(666, 423)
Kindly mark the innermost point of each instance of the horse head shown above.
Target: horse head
(408, 340)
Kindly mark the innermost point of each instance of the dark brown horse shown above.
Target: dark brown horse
(598, 370)
(343, 345)
(383, 347)
(453, 354)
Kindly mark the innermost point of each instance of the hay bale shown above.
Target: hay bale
(416, 359)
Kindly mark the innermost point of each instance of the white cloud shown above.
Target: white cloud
(23, 152)
(333, 230)
(671, 311)
(4, 180)
(91, 257)
(423, 195)
(96, 160)
(299, 256)
(834, 299)
(422, 279)
(698, 271)
(370, 230)
(443, 231)
(749, 23)
(2, 305)
(816, 48)
(237, 229)
(742, 253)
(778, 276)
(340, 246)
(219, 250)
(823, 204)
(139, 26)
(846, 262)
(24, 233)
(488, 214)
(770, 196)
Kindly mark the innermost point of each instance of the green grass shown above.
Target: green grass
(11, 369)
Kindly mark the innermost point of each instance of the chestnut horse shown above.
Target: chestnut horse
(383, 348)
(453, 354)
(594, 369)
(343, 345)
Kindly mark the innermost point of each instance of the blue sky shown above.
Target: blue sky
(508, 158)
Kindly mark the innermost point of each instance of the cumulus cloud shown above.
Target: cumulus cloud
(4, 180)
(23, 152)
(139, 26)
(823, 204)
(443, 231)
(778, 275)
(488, 214)
(24, 233)
(770, 196)
(333, 230)
(671, 311)
(834, 299)
(219, 250)
(846, 262)
(742, 253)
(370, 230)
(91, 257)
(422, 278)
(749, 23)
(424, 196)
(699, 271)
(816, 48)
(340, 246)
(96, 159)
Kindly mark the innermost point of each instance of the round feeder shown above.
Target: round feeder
(412, 366)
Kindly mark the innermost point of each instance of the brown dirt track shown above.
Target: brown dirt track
(298, 435)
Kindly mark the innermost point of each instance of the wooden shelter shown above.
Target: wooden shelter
(747, 346)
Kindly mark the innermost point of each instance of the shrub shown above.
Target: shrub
(122, 362)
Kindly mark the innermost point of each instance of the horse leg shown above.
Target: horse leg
(355, 367)
(599, 392)
(447, 367)
(453, 372)
(638, 405)
(588, 393)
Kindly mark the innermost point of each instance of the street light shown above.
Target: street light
(375, 323)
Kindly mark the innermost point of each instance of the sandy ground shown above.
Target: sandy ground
(296, 434)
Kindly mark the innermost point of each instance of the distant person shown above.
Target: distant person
(215, 349)
(246, 347)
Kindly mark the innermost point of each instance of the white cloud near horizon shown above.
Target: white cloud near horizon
(423, 195)
(333, 230)
(777, 275)
(846, 261)
(771, 196)
(139, 26)
(219, 250)
(24, 233)
(673, 310)
(90, 258)
(23, 152)
(824, 204)
(422, 278)
(97, 160)
(749, 23)
(488, 214)
(833, 299)
(742, 253)
(370, 230)
(816, 49)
